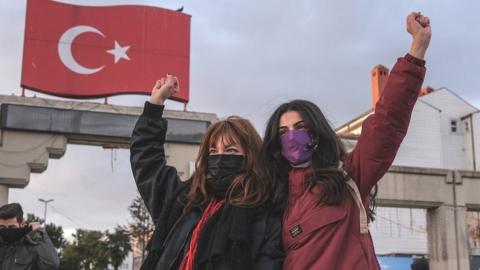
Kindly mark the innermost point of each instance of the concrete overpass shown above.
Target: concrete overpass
(33, 130)
(446, 195)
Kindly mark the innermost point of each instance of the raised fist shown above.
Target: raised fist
(163, 89)
(419, 27)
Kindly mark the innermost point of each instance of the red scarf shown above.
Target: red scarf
(212, 208)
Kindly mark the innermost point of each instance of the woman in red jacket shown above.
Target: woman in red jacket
(326, 191)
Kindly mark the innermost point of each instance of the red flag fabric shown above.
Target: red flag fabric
(98, 51)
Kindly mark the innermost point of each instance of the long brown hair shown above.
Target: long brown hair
(250, 188)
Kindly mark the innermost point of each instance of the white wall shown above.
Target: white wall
(430, 141)
(422, 146)
(400, 230)
(455, 153)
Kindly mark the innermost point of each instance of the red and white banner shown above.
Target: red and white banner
(86, 51)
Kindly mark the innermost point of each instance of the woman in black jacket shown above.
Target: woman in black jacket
(220, 218)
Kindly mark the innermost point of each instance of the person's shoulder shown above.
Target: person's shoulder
(182, 189)
(267, 221)
(34, 237)
(269, 213)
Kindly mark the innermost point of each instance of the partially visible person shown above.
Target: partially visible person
(24, 246)
(420, 264)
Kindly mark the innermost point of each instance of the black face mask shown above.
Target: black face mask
(221, 171)
(12, 235)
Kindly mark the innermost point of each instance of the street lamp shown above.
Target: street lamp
(45, 210)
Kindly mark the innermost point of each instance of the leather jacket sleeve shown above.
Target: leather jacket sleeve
(155, 180)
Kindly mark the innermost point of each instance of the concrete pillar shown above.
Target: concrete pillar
(180, 156)
(447, 241)
(466, 188)
(3, 195)
(24, 152)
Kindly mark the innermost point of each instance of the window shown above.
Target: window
(453, 126)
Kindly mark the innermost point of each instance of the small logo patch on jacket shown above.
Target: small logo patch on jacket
(295, 231)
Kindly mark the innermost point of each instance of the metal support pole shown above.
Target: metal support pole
(45, 202)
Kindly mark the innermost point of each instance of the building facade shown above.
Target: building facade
(444, 133)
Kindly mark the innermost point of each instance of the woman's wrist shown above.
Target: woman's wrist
(156, 101)
(419, 46)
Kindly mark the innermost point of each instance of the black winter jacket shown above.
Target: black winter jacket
(160, 187)
(33, 252)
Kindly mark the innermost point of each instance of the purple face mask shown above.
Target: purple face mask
(295, 146)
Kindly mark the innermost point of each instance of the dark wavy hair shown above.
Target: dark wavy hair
(327, 153)
(12, 210)
(250, 188)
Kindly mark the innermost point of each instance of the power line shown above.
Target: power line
(63, 215)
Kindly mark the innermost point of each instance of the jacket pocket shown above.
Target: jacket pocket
(22, 262)
(319, 220)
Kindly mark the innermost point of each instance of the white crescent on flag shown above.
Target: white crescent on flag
(65, 49)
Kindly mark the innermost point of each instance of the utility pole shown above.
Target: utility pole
(45, 209)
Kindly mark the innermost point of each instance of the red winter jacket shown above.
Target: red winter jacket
(323, 237)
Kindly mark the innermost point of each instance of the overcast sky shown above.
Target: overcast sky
(247, 57)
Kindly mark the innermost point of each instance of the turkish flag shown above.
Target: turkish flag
(87, 52)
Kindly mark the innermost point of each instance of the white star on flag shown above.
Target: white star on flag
(119, 52)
